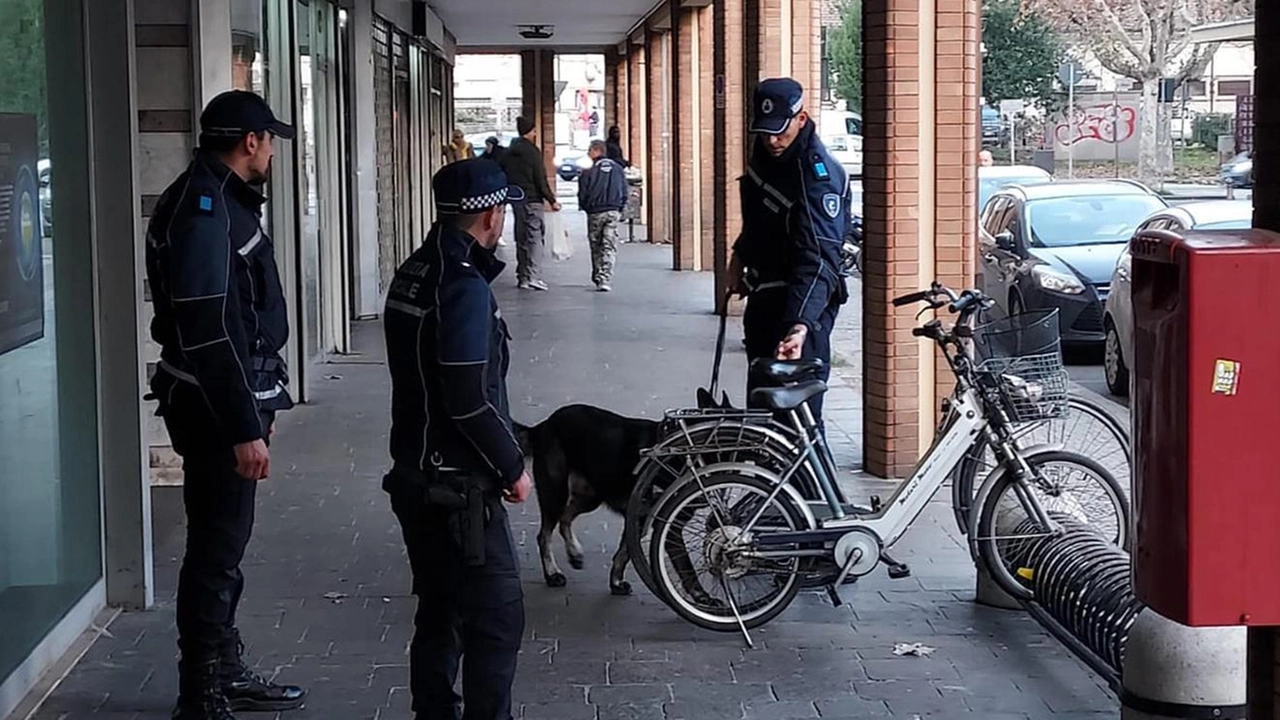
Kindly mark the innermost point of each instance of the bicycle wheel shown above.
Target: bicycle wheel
(655, 480)
(703, 569)
(1087, 428)
(1062, 483)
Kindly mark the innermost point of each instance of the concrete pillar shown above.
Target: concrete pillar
(685, 117)
(708, 216)
(1264, 647)
(920, 184)
(1173, 671)
(637, 130)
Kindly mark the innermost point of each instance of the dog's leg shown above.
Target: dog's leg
(550, 568)
(552, 488)
(578, 505)
(617, 585)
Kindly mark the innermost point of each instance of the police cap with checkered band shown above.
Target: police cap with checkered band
(776, 101)
(472, 186)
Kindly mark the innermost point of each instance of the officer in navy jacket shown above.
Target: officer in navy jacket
(453, 450)
(220, 321)
(795, 208)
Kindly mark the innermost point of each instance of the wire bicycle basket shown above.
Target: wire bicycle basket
(1020, 357)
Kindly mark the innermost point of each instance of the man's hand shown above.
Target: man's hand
(793, 344)
(519, 492)
(253, 462)
(733, 280)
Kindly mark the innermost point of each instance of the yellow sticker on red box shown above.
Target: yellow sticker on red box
(1226, 377)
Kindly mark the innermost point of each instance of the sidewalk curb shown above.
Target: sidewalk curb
(1118, 411)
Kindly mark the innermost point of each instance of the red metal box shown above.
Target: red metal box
(1206, 423)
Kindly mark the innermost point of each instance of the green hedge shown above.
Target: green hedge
(1209, 126)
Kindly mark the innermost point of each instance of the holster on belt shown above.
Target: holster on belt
(465, 495)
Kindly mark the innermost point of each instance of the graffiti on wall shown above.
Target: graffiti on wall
(1108, 122)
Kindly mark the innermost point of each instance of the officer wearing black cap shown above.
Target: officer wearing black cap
(220, 321)
(795, 206)
(454, 453)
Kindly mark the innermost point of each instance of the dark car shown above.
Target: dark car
(1054, 245)
(570, 167)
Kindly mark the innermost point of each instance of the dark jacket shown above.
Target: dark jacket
(447, 353)
(795, 212)
(220, 315)
(602, 187)
(613, 151)
(523, 164)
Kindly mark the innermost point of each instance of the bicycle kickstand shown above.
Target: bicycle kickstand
(733, 605)
(833, 590)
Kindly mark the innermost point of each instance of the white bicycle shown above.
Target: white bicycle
(731, 543)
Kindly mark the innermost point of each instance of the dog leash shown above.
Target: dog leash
(715, 369)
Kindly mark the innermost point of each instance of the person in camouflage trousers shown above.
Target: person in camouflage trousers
(602, 194)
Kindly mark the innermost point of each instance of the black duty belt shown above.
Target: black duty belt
(464, 494)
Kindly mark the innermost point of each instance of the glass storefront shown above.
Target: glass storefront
(50, 527)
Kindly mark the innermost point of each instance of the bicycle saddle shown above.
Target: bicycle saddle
(787, 398)
(787, 371)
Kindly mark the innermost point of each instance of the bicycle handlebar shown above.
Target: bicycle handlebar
(914, 297)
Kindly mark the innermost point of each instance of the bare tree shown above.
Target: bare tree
(1145, 40)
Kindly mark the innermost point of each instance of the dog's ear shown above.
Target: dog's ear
(705, 400)
(724, 401)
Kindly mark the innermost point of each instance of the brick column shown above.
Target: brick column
(612, 83)
(1264, 645)
(684, 125)
(538, 102)
(729, 136)
(920, 184)
(638, 108)
(708, 217)
(659, 148)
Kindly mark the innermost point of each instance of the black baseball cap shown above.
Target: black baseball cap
(776, 101)
(237, 113)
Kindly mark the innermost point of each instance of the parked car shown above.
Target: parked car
(1054, 245)
(992, 126)
(995, 177)
(569, 167)
(1118, 318)
(1238, 171)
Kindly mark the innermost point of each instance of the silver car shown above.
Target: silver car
(1118, 317)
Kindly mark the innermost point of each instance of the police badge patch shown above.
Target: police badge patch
(831, 204)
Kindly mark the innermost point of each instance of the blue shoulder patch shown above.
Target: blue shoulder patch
(205, 203)
(820, 169)
(831, 205)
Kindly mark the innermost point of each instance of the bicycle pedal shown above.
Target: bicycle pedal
(834, 594)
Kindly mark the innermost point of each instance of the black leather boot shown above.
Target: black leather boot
(247, 690)
(199, 694)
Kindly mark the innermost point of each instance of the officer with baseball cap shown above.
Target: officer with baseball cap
(795, 207)
(220, 321)
(454, 455)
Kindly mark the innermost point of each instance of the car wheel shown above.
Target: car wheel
(1113, 366)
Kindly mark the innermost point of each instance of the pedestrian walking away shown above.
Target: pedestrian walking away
(795, 211)
(602, 194)
(525, 168)
(221, 322)
(454, 455)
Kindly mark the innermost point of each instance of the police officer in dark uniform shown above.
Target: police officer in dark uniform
(454, 453)
(220, 321)
(795, 207)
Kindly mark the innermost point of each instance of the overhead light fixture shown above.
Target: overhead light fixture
(536, 32)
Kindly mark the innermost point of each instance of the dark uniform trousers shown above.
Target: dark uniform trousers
(764, 326)
(480, 608)
(220, 512)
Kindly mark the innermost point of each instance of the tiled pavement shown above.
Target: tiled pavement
(327, 602)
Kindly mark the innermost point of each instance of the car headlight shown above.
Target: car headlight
(1054, 281)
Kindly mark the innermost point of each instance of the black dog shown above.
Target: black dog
(584, 456)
